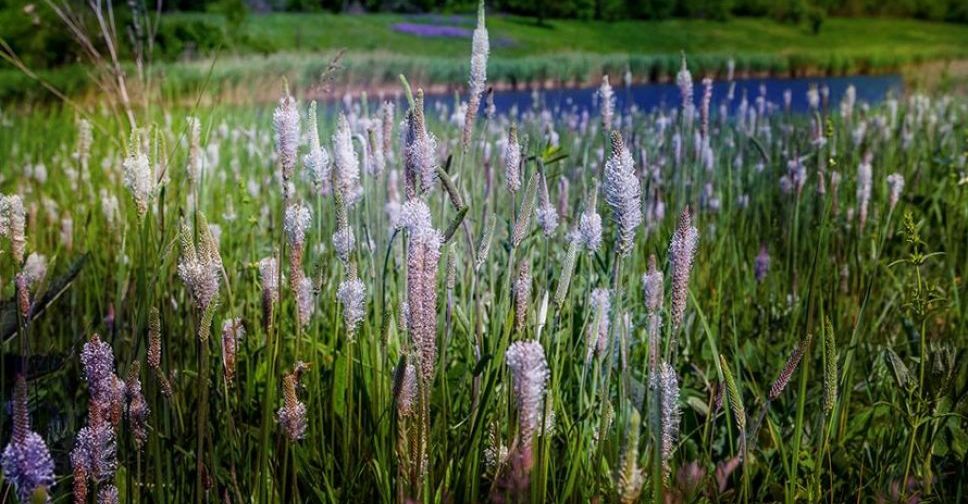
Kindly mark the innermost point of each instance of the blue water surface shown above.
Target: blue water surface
(869, 89)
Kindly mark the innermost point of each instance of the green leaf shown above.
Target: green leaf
(901, 372)
(553, 155)
(959, 439)
(698, 405)
(339, 385)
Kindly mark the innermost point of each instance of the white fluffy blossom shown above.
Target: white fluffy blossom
(622, 193)
(305, 301)
(590, 229)
(895, 182)
(317, 161)
(864, 188)
(529, 372)
(352, 295)
(35, 269)
(596, 339)
(343, 243)
(346, 163)
(138, 179)
(285, 123)
(480, 48)
(512, 161)
(606, 103)
(296, 223)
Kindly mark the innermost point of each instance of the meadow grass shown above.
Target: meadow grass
(812, 349)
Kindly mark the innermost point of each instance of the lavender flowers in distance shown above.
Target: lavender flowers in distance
(762, 266)
(707, 97)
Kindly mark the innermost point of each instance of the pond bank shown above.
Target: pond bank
(255, 79)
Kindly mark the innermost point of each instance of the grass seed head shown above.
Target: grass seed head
(285, 123)
(512, 160)
(682, 253)
(607, 104)
(529, 373)
(623, 193)
(317, 161)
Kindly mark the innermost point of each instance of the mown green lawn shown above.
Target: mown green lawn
(516, 37)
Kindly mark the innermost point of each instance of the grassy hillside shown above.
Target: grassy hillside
(517, 37)
(299, 46)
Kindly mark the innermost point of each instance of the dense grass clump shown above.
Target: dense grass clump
(366, 301)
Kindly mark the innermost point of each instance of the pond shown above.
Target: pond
(869, 89)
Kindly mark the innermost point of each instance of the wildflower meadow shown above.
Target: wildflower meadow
(396, 296)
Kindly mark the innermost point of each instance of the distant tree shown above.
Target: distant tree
(957, 11)
(36, 34)
(653, 9)
(790, 11)
(932, 9)
(235, 12)
(817, 17)
(611, 10)
(302, 5)
(752, 8)
(706, 9)
(583, 9)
